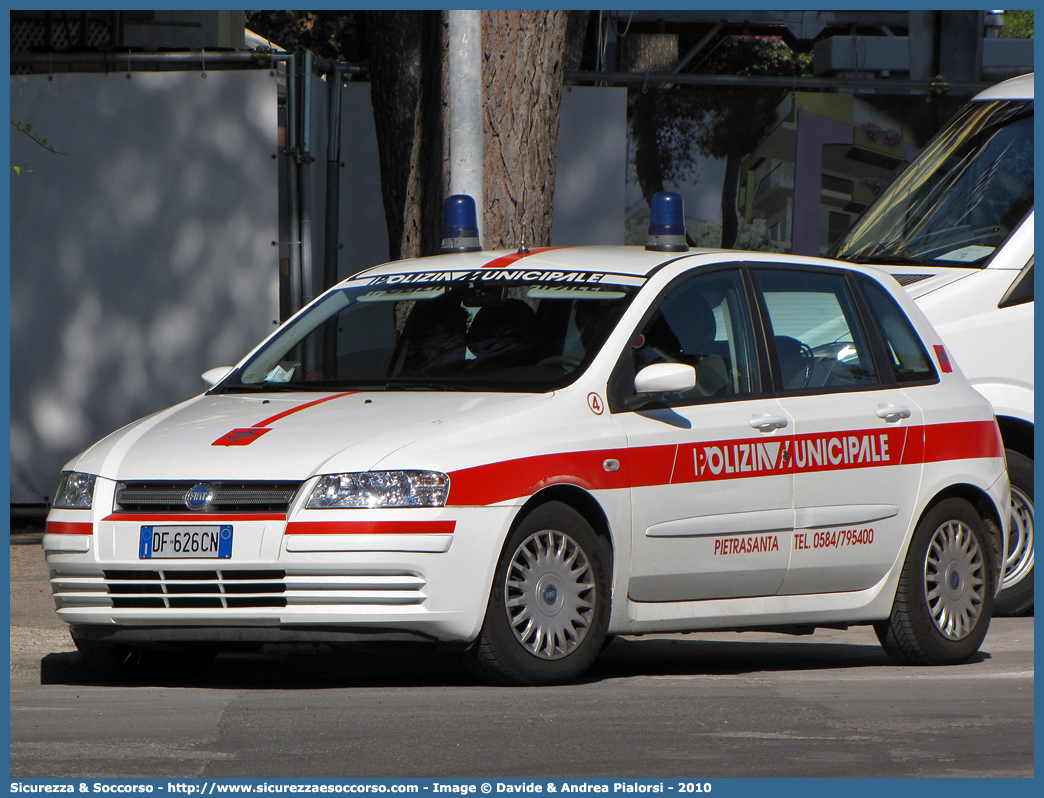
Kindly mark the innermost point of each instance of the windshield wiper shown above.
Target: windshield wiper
(278, 387)
(891, 259)
(419, 385)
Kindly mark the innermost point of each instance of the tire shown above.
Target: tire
(944, 599)
(549, 604)
(1017, 586)
(137, 664)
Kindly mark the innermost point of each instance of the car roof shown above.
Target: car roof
(1020, 88)
(621, 260)
(634, 261)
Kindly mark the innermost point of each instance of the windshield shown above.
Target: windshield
(958, 201)
(457, 331)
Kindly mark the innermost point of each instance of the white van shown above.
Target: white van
(956, 229)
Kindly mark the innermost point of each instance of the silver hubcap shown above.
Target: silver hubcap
(953, 580)
(550, 594)
(1019, 560)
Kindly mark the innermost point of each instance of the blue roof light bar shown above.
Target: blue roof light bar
(460, 225)
(667, 223)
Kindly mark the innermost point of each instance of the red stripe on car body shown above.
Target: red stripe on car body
(679, 463)
(962, 441)
(69, 528)
(507, 260)
(370, 527)
(196, 518)
(271, 420)
(497, 482)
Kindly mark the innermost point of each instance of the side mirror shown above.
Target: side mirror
(662, 378)
(212, 377)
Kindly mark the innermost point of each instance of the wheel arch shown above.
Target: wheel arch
(986, 509)
(578, 499)
(1017, 434)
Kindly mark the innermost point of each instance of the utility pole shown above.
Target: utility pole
(465, 107)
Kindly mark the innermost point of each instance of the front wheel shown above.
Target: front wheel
(944, 599)
(1017, 585)
(549, 605)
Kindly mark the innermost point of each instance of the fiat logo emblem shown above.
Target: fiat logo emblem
(199, 497)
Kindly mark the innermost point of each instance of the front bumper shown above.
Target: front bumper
(327, 575)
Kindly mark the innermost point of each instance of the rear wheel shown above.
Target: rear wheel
(549, 605)
(945, 595)
(1017, 585)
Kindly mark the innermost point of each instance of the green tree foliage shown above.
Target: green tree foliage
(756, 55)
(672, 127)
(335, 35)
(26, 129)
(1017, 25)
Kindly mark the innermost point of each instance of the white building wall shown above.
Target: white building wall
(138, 260)
(145, 256)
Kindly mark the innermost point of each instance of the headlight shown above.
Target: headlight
(380, 489)
(75, 491)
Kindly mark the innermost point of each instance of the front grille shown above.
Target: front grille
(233, 589)
(229, 497)
(196, 589)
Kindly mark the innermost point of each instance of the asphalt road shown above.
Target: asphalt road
(700, 706)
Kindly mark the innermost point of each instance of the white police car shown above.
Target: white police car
(524, 452)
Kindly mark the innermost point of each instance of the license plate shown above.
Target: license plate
(185, 541)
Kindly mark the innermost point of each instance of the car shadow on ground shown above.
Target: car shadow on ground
(680, 657)
(423, 665)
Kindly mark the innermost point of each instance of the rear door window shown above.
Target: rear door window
(815, 331)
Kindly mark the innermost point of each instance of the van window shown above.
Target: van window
(958, 201)
(1021, 290)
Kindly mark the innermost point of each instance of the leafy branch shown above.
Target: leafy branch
(27, 130)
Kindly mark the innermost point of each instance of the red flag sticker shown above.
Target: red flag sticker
(944, 359)
(240, 437)
(244, 436)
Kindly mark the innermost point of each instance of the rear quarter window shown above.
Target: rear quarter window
(906, 352)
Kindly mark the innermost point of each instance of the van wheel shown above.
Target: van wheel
(1017, 585)
(945, 596)
(549, 605)
(136, 664)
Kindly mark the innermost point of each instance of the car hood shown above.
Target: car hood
(284, 436)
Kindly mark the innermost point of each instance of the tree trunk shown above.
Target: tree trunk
(729, 191)
(648, 160)
(407, 64)
(575, 36)
(647, 52)
(435, 131)
(522, 76)
(523, 65)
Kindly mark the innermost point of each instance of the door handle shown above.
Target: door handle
(892, 413)
(767, 423)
